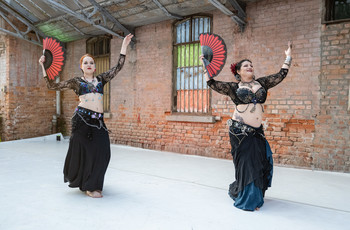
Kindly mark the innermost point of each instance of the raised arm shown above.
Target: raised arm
(274, 79)
(226, 88)
(110, 74)
(63, 85)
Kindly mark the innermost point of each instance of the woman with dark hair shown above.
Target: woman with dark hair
(251, 152)
(89, 147)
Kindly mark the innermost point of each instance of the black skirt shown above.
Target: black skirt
(89, 151)
(252, 159)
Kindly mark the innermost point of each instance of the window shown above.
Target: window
(337, 10)
(191, 93)
(100, 48)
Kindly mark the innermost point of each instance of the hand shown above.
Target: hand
(126, 42)
(201, 58)
(42, 60)
(288, 52)
(127, 39)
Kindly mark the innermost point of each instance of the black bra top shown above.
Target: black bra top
(87, 87)
(247, 96)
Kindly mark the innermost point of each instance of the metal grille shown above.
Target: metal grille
(191, 93)
(100, 49)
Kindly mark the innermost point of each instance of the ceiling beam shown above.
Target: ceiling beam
(73, 26)
(82, 17)
(19, 34)
(21, 10)
(174, 16)
(237, 19)
(238, 7)
(104, 12)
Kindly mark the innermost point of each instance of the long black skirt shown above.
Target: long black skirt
(89, 151)
(252, 158)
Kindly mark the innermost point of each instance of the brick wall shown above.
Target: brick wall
(141, 100)
(28, 106)
(306, 117)
(332, 149)
(144, 98)
(3, 82)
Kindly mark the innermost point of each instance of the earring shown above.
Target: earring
(238, 77)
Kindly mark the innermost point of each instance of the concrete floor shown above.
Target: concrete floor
(151, 190)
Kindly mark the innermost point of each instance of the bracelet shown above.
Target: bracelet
(288, 59)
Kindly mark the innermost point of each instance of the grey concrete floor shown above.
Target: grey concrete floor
(146, 189)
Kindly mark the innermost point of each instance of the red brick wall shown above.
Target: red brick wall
(143, 98)
(3, 83)
(332, 148)
(306, 117)
(28, 107)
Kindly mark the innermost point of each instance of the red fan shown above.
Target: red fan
(54, 57)
(214, 52)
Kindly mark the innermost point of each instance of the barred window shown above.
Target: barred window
(191, 93)
(337, 10)
(99, 47)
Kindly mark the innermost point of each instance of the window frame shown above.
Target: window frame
(327, 11)
(91, 45)
(174, 105)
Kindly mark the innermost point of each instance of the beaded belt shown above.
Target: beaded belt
(243, 127)
(88, 112)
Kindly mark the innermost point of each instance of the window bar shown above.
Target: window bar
(198, 68)
(179, 78)
(206, 86)
(202, 90)
(198, 80)
(186, 79)
(182, 57)
(192, 64)
(180, 68)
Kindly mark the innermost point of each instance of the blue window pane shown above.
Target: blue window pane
(178, 34)
(178, 78)
(206, 25)
(183, 32)
(201, 25)
(188, 31)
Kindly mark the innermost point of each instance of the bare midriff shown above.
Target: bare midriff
(247, 117)
(92, 101)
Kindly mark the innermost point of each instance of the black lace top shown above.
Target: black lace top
(81, 86)
(244, 95)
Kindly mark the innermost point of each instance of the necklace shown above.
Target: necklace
(248, 84)
(93, 80)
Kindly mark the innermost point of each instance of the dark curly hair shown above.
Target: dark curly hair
(237, 66)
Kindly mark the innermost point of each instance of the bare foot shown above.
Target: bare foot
(94, 194)
(257, 209)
